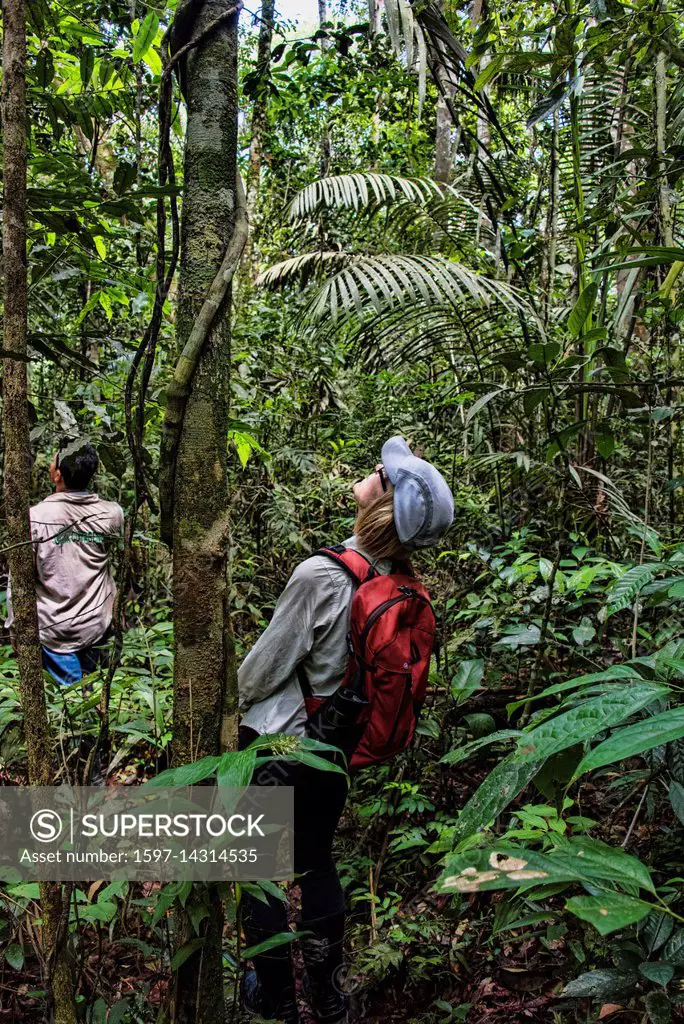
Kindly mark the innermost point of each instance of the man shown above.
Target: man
(72, 531)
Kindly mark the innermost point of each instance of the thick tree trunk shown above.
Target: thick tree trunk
(205, 681)
(201, 496)
(17, 480)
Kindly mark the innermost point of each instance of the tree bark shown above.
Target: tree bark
(445, 150)
(256, 146)
(444, 146)
(661, 145)
(17, 481)
(205, 679)
(479, 12)
(374, 17)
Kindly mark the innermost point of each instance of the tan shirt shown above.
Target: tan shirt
(75, 592)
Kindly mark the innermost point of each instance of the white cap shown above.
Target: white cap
(423, 503)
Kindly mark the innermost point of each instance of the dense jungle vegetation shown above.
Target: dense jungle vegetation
(463, 227)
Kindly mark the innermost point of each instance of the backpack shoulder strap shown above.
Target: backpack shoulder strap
(356, 565)
(402, 568)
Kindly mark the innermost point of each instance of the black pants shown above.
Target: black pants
(319, 798)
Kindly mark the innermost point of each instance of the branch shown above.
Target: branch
(179, 54)
(181, 383)
(147, 347)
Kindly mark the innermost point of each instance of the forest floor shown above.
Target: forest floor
(516, 978)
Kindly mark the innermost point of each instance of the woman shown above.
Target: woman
(403, 505)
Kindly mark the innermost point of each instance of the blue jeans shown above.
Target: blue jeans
(70, 668)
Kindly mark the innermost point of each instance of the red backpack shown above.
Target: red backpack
(373, 714)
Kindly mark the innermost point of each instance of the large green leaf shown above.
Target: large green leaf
(467, 678)
(98, 911)
(634, 739)
(676, 795)
(610, 911)
(503, 867)
(601, 984)
(586, 720)
(481, 402)
(489, 71)
(459, 754)
(501, 786)
(479, 724)
(273, 942)
(646, 256)
(235, 768)
(118, 1011)
(86, 65)
(547, 106)
(520, 636)
(14, 955)
(658, 972)
(314, 761)
(658, 1007)
(674, 950)
(616, 673)
(187, 774)
(145, 36)
(506, 866)
(601, 861)
(186, 951)
(656, 930)
(582, 309)
(624, 591)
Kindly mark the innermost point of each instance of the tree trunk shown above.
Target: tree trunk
(444, 145)
(256, 146)
(374, 17)
(18, 477)
(661, 145)
(479, 12)
(205, 679)
(324, 165)
(445, 149)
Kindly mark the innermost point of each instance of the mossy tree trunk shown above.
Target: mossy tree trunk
(58, 975)
(205, 684)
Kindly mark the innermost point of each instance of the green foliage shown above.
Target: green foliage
(522, 322)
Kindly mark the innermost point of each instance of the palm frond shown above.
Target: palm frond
(414, 207)
(471, 338)
(377, 284)
(407, 39)
(361, 190)
(301, 269)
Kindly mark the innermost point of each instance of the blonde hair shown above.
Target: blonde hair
(376, 532)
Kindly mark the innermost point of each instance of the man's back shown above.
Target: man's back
(72, 533)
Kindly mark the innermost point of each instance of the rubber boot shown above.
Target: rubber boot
(323, 956)
(269, 990)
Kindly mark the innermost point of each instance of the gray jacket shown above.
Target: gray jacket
(309, 625)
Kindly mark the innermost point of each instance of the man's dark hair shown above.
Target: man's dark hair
(77, 461)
